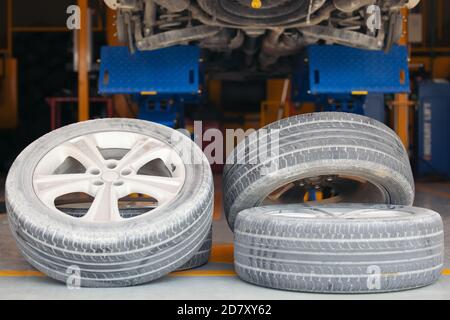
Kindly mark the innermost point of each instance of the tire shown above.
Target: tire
(201, 257)
(366, 158)
(339, 248)
(118, 253)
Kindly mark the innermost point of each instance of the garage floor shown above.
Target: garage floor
(216, 280)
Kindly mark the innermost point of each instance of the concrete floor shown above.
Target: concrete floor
(216, 280)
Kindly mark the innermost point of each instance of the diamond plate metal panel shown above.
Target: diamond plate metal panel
(168, 71)
(330, 69)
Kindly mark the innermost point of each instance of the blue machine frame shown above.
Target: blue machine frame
(337, 69)
(169, 71)
(434, 130)
(339, 78)
(160, 81)
(168, 111)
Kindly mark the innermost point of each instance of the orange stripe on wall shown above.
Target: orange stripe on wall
(217, 206)
(222, 253)
(422, 188)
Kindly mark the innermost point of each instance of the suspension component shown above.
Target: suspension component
(169, 21)
(351, 6)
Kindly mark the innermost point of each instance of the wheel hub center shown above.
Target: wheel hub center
(110, 176)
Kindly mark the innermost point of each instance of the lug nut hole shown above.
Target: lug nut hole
(111, 165)
(126, 172)
(94, 172)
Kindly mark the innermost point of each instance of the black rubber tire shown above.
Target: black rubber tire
(201, 257)
(319, 144)
(131, 252)
(302, 248)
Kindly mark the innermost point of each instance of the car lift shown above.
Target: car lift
(159, 81)
(338, 78)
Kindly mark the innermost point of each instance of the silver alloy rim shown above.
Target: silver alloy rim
(334, 189)
(111, 168)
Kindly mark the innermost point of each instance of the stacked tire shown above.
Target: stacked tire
(379, 244)
(108, 246)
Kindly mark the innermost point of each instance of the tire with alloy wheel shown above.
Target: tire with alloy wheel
(340, 248)
(329, 157)
(106, 165)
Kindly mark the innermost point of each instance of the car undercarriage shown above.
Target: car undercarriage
(261, 31)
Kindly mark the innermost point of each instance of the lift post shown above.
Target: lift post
(83, 76)
(401, 106)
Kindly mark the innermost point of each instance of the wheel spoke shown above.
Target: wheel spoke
(49, 187)
(85, 150)
(143, 152)
(105, 206)
(161, 188)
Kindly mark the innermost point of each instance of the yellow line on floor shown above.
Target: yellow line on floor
(187, 273)
(203, 273)
(21, 273)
